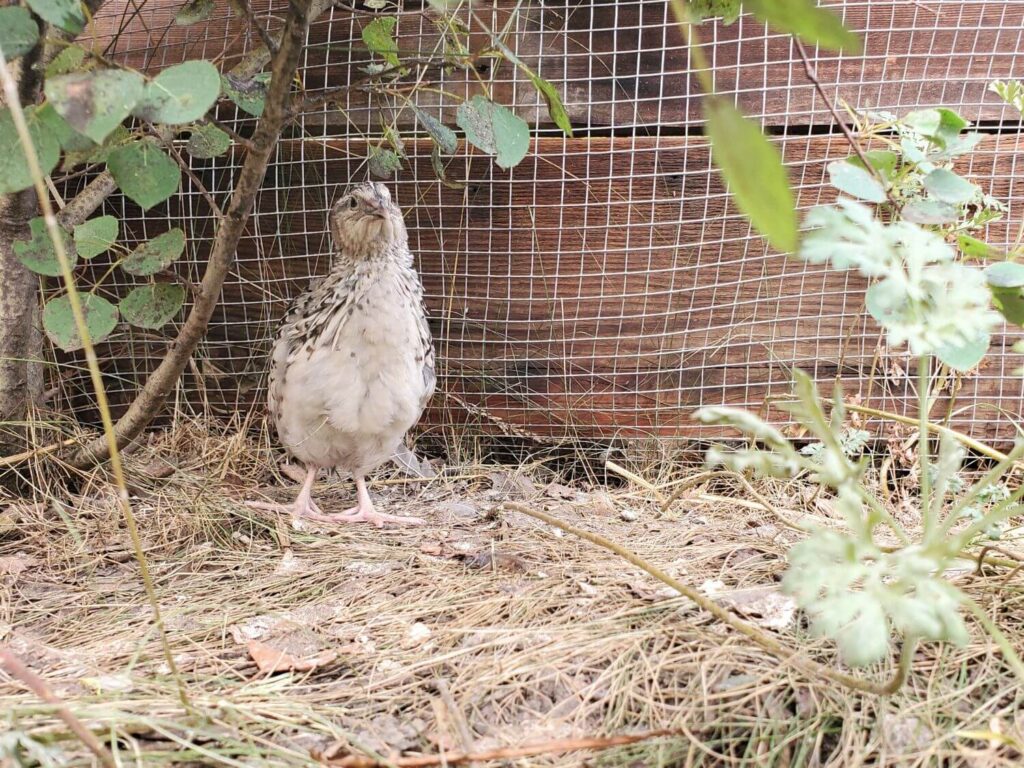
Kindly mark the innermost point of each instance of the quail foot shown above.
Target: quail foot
(352, 367)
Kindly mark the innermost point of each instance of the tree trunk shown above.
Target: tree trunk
(20, 336)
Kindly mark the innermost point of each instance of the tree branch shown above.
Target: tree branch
(88, 200)
(163, 380)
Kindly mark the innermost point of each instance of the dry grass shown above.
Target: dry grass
(483, 629)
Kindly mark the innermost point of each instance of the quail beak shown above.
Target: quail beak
(374, 208)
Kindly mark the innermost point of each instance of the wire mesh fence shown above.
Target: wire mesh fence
(607, 285)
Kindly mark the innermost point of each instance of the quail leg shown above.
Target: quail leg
(363, 512)
(303, 506)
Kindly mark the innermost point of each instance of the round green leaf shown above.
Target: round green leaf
(14, 173)
(144, 172)
(248, 93)
(66, 14)
(59, 322)
(379, 36)
(443, 136)
(384, 163)
(68, 60)
(38, 253)
(156, 254)
(207, 141)
(805, 19)
(494, 129)
(929, 212)
(949, 188)
(855, 181)
(753, 168)
(972, 247)
(180, 94)
(1010, 304)
(963, 357)
(193, 12)
(1005, 274)
(95, 236)
(94, 103)
(19, 32)
(152, 306)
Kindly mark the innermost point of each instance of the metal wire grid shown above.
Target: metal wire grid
(607, 285)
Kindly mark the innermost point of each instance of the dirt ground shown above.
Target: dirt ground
(483, 630)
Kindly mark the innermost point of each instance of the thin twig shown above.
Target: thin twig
(17, 458)
(250, 16)
(16, 669)
(850, 138)
(556, 747)
(765, 641)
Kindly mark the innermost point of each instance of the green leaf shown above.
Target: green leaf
(494, 129)
(973, 248)
(384, 163)
(443, 136)
(14, 172)
(1012, 92)
(1005, 274)
(855, 181)
(59, 321)
(806, 20)
(68, 60)
(180, 94)
(437, 163)
(66, 14)
(941, 124)
(882, 160)
(379, 36)
(963, 357)
(754, 171)
(19, 32)
(931, 212)
(193, 12)
(1010, 303)
(949, 188)
(248, 93)
(156, 254)
(727, 10)
(38, 253)
(144, 172)
(95, 236)
(207, 141)
(94, 103)
(555, 107)
(152, 306)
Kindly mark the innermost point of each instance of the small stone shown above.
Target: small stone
(629, 515)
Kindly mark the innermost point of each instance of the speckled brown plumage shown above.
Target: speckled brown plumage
(352, 367)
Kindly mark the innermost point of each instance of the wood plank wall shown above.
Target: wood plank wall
(607, 285)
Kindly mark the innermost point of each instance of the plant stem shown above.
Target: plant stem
(762, 639)
(937, 429)
(701, 65)
(927, 518)
(1009, 653)
(77, 311)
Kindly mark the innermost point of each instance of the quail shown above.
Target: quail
(352, 367)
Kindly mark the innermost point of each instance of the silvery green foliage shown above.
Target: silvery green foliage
(922, 297)
(851, 441)
(852, 589)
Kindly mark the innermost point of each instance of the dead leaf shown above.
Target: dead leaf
(270, 659)
(13, 565)
(507, 485)
(159, 468)
(490, 560)
(559, 491)
(765, 606)
(652, 594)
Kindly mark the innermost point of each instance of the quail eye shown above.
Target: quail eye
(352, 203)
